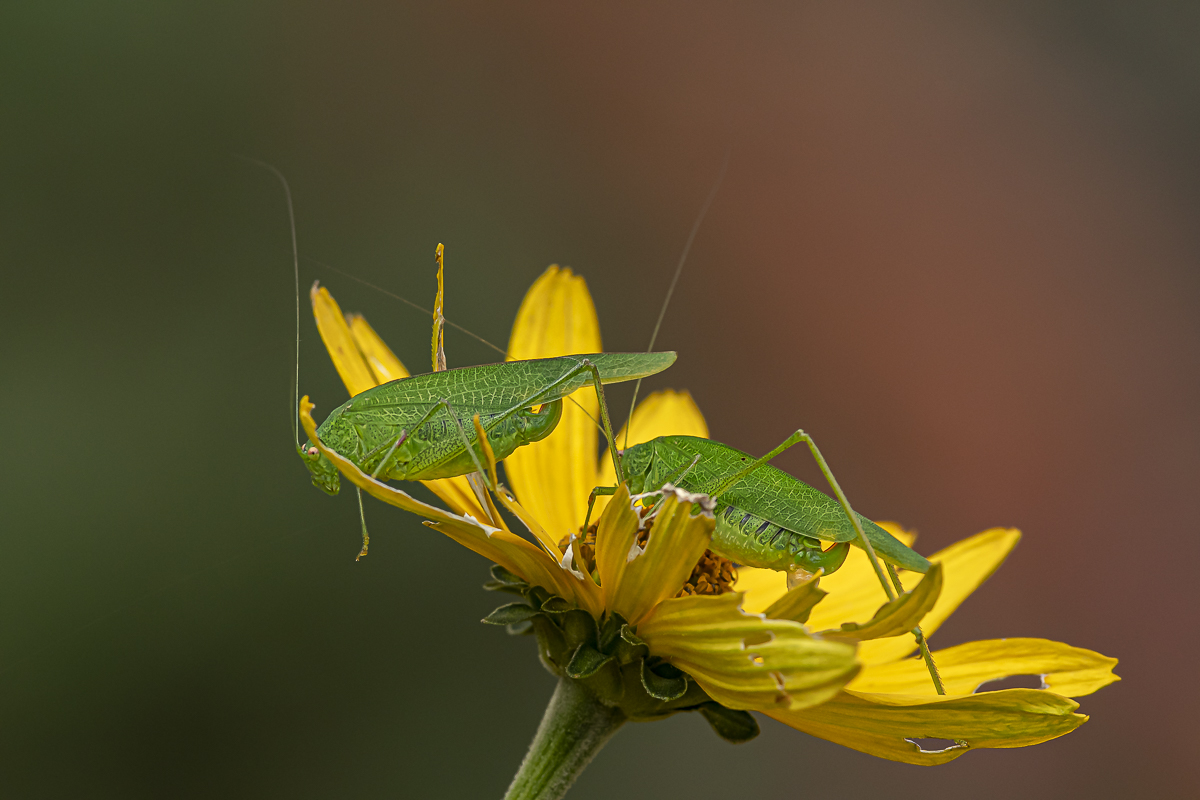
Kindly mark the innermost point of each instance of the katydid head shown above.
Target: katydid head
(324, 473)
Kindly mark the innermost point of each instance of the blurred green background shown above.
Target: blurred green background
(956, 243)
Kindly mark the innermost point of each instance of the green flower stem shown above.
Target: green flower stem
(573, 729)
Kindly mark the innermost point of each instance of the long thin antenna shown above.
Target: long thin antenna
(712, 194)
(287, 191)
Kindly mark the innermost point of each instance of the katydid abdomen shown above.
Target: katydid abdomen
(767, 518)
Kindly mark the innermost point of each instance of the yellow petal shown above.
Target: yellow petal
(379, 357)
(457, 493)
(634, 582)
(616, 534)
(880, 724)
(1065, 670)
(531, 523)
(340, 342)
(798, 602)
(855, 593)
(665, 413)
(503, 547)
(743, 660)
(762, 587)
(898, 617)
(854, 590)
(967, 564)
(553, 477)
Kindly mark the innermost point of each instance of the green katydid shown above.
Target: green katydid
(419, 428)
(765, 517)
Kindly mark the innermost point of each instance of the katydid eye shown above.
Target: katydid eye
(312, 451)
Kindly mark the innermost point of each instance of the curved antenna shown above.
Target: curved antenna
(712, 194)
(287, 192)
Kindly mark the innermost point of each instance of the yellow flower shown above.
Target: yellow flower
(749, 649)
(685, 651)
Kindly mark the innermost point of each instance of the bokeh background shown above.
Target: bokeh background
(957, 242)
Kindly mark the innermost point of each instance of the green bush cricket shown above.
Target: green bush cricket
(765, 517)
(419, 428)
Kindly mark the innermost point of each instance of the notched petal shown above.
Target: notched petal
(966, 668)
(745, 660)
(887, 725)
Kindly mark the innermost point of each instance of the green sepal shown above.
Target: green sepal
(552, 645)
(511, 613)
(501, 575)
(537, 596)
(664, 682)
(629, 647)
(730, 724)
(586, 662)
(610, 629)
(579, 626)
(557, 605)
(498, 586)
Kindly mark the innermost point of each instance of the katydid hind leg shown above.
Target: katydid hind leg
(864, 542)
(729, 481)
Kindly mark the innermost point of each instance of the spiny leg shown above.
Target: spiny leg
(362, 517)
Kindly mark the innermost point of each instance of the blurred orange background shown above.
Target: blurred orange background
(957, 244)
